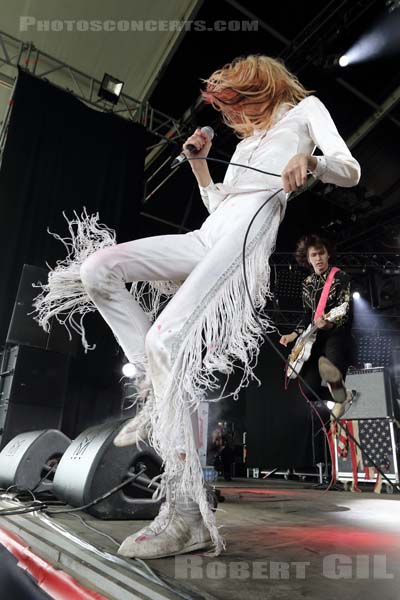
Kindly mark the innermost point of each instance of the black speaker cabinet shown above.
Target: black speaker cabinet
(373, 399)
(92, 465)
(33, 384)
(32, 457)
(24, 330)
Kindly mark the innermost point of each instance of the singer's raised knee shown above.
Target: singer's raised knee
(97, 276)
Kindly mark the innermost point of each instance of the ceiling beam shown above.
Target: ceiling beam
(381, 112)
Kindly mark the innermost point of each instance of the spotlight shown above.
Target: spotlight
(330, 404)
(110, 88)
(129, 370)
(381, 41)
(356, 295)
(344, 60)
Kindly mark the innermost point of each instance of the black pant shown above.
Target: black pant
(339, 349)
(335, 346)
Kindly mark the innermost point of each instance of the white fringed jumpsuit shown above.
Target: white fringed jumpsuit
(208, 325)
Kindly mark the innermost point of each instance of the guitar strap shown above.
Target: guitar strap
(325, 293)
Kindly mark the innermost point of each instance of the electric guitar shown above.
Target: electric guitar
(304, 343)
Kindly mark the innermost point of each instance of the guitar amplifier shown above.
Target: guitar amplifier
(373, 398)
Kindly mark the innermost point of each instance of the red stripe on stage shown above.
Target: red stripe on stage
(54, 582)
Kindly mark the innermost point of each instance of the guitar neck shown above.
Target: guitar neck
(312, 330)
(330, 317)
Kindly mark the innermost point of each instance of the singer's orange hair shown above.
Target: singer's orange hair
(250, 90)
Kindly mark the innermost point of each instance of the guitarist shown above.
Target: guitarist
(331, 354)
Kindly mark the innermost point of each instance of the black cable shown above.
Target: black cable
(225, 162)
(23, 509)
(39, 505)
(49, 472)
(270, 342)
(99, 498)
(20, 487)
(43, 506)
(282, 356)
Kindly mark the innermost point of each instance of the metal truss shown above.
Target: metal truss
(15, 54)
(285, 308)
(381, 323)
(306, 47)
(300, 51)
(360, 235)
(387, 262)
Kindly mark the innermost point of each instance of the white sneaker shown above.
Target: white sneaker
(156, 526)
(179, 536)
(340, 408)
(134, 431)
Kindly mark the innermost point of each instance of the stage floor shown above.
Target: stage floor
(284, 540)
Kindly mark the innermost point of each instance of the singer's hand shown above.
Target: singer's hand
(203, 144)
(294, 175)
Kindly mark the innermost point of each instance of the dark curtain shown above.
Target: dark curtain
(281, 428)
(61, 155)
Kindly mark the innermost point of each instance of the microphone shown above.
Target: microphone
(209, 131)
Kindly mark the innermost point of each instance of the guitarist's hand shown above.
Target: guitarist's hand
(321, 323)
(288, 339)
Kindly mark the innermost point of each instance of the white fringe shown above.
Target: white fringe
(223, 326)
(222, 334)
(64, 297)
(153, 295)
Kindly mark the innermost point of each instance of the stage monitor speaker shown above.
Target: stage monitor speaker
(24, 330)
(31, 457)
(92, 465)
(374, 394)
(33, 385)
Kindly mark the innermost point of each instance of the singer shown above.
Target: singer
(208, 325)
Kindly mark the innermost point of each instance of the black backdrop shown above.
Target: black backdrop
(279, 425)
(61, 155)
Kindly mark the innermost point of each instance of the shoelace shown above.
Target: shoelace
(161, 520)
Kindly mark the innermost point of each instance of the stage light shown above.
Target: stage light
(330, 404)
(344, 60)
(382, 40)
(356, 295)
(110, 88)
(129, 370)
